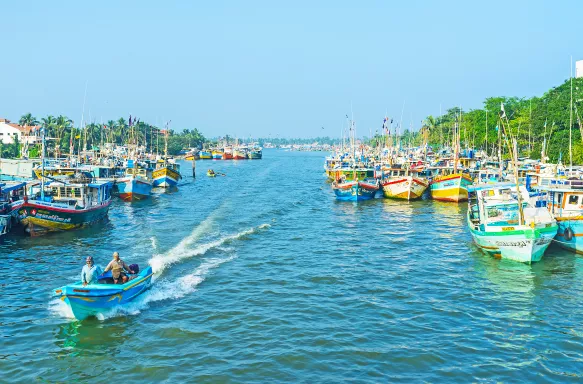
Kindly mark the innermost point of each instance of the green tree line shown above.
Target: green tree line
(61, 133)
(532, 121)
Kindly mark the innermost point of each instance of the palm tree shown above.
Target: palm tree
(120, 130)
(28, 120)
(62, 125)
(111, 126)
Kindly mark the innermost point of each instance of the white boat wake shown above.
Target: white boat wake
(178, 288)
(183, 251)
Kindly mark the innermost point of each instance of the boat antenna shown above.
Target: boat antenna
(401, 124)
(83, 112)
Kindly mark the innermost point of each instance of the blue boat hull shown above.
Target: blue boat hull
(99, 298)
(574, 244)
(354, 193)
(133, 189)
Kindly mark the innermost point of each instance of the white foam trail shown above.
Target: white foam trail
(168, 291)
(197, 233)
(182, 251)
(60, 308)
(154, 243)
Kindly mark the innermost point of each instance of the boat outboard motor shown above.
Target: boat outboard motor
(135, 268)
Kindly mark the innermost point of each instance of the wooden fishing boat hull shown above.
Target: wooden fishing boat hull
(239, 155)
(572, 241)
(227, 156)
(39, 216)
(404, 187)
(205, 155)
(452, 188)
(519, 243)
(217, 155)
(355, 191)
(255, 155)
(165, 177)
(132, 188)
(99, 298)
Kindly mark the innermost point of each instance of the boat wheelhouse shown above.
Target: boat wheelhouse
(564, 200)
(504, 224)
(64, 205)
(136, 184)
(167, 173)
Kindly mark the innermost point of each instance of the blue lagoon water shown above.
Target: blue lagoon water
(262, 276)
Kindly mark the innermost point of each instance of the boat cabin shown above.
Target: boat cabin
(564, 198)
(77, 196)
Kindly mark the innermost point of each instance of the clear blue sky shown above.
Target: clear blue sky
(275, 68)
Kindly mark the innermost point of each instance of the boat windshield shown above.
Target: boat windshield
(502, 214)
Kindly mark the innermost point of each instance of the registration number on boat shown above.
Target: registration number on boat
(508, 228)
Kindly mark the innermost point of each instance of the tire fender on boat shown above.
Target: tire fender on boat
(568, 234)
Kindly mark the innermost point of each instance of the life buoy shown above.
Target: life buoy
(568, 234)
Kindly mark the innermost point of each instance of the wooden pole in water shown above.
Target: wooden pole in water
(193, 167)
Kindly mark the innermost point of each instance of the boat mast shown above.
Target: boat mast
(571, 122)
(486, 133)
(455, 144)
(500, 149)
(514, 153)
(530, 129)
(519, 195)
(42, 179)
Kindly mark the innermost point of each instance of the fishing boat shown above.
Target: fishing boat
(228, 153)
(92, 299)
(205, 155)
(211, 173)
(64, 205)
(564, 199)
(217, 154)
(239, 154)
(167, 171)
(450, 185)
(450, 181)
(355, 190)
(504, 224)
(255, 153)
(136, 184)
(403, 183)
(166, 174)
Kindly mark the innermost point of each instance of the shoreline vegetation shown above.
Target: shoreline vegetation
(534, 121)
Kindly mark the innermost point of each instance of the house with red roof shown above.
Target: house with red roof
(26, 134)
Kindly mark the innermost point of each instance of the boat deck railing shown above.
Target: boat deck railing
(549, 184)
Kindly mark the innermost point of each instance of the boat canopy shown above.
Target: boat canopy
(101, 184)
(11, 187)
(483, 187)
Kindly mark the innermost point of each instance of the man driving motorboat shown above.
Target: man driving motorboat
(117, 267)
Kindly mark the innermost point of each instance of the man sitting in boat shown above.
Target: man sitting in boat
(117, 267)
(211, 172)
(90, 272)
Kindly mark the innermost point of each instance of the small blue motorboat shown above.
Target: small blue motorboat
(97, 298)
